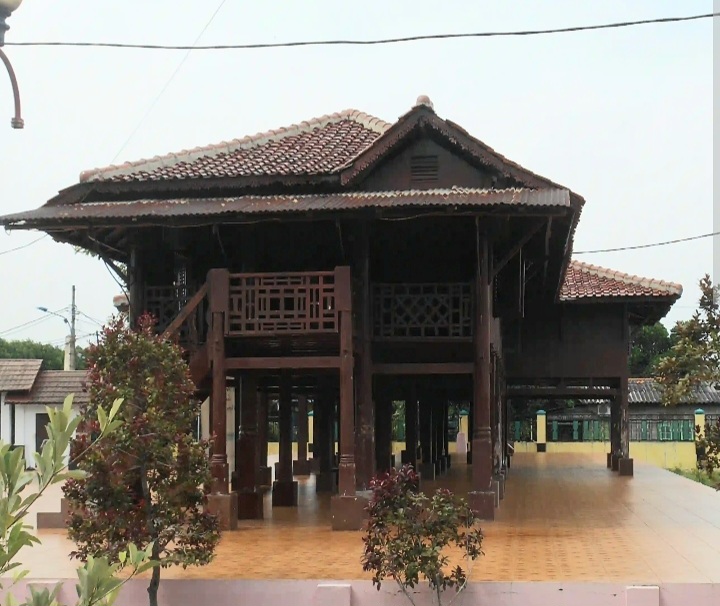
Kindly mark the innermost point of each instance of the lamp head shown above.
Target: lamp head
(7, 7)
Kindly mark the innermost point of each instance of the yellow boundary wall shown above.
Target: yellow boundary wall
(669, 455)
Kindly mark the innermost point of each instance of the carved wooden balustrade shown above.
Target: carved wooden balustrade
(306, 303)
(282, 303)
(254, 304)
(422, 311)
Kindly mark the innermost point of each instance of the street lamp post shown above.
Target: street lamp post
(70, 344)
(7, 7)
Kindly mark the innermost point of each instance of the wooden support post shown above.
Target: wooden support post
(220, 501)
(136, 287)
(346, 509)
(440, 465)
(365, 462)
(411, 426)
(428, 420)
(265, 472)
(614, 458)
(324, 447)
(247, 467)
(482, 496)
(301, 467)
(446, 428)
(383, 432)
(625, 463)
(285, 489)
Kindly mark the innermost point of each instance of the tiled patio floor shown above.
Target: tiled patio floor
(564, 517)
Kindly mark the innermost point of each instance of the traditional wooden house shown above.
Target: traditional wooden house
(362, 262)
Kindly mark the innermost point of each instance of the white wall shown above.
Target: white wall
(25, 427)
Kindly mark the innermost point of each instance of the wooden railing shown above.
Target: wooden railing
(180, 312)
(282, 303)
(422, 311)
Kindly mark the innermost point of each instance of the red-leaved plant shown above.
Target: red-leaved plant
(410, 534)
(145, 482)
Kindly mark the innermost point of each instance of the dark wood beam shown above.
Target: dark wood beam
(424, 368)
(548, 233)
(270, 363)
(502, 262)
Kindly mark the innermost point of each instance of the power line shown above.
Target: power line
(43, 318)
(667, 242)
(98, 322)
(167, 84)
(5, 252)
(350, 42)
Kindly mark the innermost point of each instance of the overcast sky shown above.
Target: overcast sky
(623, 117)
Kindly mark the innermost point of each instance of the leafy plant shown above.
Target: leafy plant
(709, 442)
(695, 354)
(97, 583)
(145, 483)
(410, 534)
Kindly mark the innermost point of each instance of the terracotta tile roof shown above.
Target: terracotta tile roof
(584, 281)
(649, 391)
(317, 146)
(18, 375)
(53, 386)
(200, 207)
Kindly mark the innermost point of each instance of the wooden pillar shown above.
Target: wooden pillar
(220, 501)
(383, 431)
(136, 286)
(301, 467)
(625, 464)
(428, 420)
(285, 489)
(250, 503)
(365, 462)
(265, 472)
(324, 447)
(614, 457)
(446, 428)
(346, 480)
(346, 509)
(482, 497)
(440, 463)
(471, 425)
(411, 426)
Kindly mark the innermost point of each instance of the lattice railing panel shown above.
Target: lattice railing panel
(282, 303)
(406, 311)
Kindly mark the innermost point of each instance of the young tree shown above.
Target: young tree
(648, 345)
(21, 488)
(408, 535)
(695, 354)
(145, 483)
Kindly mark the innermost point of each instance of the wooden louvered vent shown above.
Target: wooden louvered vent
(424, 169)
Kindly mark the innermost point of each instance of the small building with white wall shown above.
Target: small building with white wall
(25, 392)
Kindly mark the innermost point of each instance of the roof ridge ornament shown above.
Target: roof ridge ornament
(424, 101)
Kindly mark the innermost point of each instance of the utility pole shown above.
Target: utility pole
(73, 350)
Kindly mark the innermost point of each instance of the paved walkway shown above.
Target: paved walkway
(564, 517)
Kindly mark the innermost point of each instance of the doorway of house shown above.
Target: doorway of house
(41, 422)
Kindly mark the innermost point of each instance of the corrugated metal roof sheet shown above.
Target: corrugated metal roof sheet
(18, 375)
(649, 391)
(190, 207)
(53, 386)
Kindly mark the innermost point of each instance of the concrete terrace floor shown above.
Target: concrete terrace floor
(565, 517)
